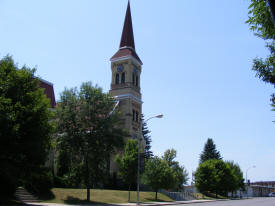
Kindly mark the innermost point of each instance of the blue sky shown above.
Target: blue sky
(197, 59)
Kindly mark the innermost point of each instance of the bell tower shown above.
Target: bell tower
(125, 86)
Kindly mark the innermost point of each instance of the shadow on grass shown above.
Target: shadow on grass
(46, 196)
(208, 195)
(154, 200)
(73, 200)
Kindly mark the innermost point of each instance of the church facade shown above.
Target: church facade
(126, 69)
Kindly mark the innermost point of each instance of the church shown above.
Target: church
(126, 68)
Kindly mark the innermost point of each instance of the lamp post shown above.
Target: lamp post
(139, 138)
(247, 179)
(247, 171)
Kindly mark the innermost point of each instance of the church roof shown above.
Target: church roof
(124, 52)
(48, 91)
(127, 37)
(127, 42)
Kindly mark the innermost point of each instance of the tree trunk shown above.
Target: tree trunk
(129, 190)
(156, 197)
(87, 180)
(88, 194)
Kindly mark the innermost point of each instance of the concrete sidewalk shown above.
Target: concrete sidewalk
(126, 204)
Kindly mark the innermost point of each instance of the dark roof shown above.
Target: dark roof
(127, 37)
(49, 92)
(124, 52)
(127, 42)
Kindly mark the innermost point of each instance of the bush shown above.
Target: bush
(8, 185)
(39, 182)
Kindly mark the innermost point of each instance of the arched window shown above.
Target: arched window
(133, 78)
(123, 78)
(136, 116)
(117, 78)
(137, 81)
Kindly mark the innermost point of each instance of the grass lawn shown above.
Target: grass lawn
(78, 196)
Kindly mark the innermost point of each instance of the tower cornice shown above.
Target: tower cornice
(126, 57)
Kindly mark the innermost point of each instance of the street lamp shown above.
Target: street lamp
(138, 178)
(247, 171)
(247, 179)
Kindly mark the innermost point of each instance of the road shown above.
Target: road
(268, 201)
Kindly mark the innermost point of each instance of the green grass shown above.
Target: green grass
(78, 196)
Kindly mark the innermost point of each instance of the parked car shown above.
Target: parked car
(272, 194)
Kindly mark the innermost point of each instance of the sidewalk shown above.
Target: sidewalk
(127, 204)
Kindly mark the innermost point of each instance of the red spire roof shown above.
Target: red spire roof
(127, 37)
(127, 42)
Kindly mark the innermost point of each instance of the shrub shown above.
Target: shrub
(39, 182)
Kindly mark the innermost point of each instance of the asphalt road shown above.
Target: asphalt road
(268, 201)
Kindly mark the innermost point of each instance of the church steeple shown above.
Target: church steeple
(125, 82)
(127, 42)
(127, 37)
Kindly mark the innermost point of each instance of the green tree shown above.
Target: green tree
(158, 175)
(226, 179)
(127, 164)
(169, 156)
(209, 151)
(90, 130)
(25, 132)
(205, 177)
(260, 21)
(180, 172)
(146, 135)
(215, 176)
(239, 183)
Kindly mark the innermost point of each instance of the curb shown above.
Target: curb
(170, 203)
(177, 203)
(131, 204)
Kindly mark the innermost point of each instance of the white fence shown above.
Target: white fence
(178, 196)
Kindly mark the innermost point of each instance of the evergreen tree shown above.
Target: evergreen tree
(146, 135)
(209, 151)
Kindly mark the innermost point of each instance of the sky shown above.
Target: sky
(197, 57)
